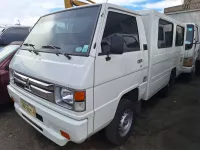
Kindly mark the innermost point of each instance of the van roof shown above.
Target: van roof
(148, 12)
(116, 7)
(192, 23)
(108, 5)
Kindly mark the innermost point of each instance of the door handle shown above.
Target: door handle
(139, 61)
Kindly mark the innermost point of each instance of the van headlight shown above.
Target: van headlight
(70, 99)
(67, 96)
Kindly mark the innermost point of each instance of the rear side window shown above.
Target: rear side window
(161, 34)
(179, 36)
(126, 27)
(165, 34)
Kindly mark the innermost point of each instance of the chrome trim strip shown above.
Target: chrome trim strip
(42, 84)
(24, 78)
(35, 82)
(39, 88)
(20, 81)
(44, 94)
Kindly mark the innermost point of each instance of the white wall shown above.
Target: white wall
(185, 17)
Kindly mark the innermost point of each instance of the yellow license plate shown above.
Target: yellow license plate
(28, 108)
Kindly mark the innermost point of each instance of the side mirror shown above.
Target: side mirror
(117, 45)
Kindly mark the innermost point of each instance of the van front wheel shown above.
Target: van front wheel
(121, 126)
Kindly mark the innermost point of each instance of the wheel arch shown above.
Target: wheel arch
(132, 95)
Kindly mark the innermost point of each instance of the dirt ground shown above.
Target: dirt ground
(172, 123)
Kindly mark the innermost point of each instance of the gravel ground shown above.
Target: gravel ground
(172, 123)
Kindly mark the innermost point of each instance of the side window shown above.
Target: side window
(124, 26)
(15, 34)
(179, 36)
(161, 34)
(165, 34)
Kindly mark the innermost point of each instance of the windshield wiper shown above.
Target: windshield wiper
(31, 45)
(58, 51)
(51, 47)
(67, 55)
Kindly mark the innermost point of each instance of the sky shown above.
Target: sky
(27, 12)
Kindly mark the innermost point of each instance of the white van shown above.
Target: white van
(84, 69)
(191, 49)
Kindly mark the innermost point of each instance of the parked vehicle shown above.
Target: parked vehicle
(10, 34)
(71, 79)
(6, 54)
(192, 48)
(189, 17)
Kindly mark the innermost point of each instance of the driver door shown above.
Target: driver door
(120, 72)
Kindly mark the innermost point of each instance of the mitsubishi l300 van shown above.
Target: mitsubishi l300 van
(87, 68)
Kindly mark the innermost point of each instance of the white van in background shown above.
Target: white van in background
(191, 49)
(84, 69)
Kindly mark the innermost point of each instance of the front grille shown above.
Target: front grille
(39, 88)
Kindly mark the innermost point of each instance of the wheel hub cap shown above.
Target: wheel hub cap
(125, 122)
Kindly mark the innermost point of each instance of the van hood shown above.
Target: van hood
(76, 73)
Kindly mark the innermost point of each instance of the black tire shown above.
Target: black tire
(190, 76)
(166, 90)
(172, 78)
(197, 67)
(112, 131)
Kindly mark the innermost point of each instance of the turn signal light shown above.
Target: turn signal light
(64, 134)
(79, 95)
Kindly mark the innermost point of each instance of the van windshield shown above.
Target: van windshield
(70, 31)
(189, 37)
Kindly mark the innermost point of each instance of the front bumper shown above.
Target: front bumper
(51, 122)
